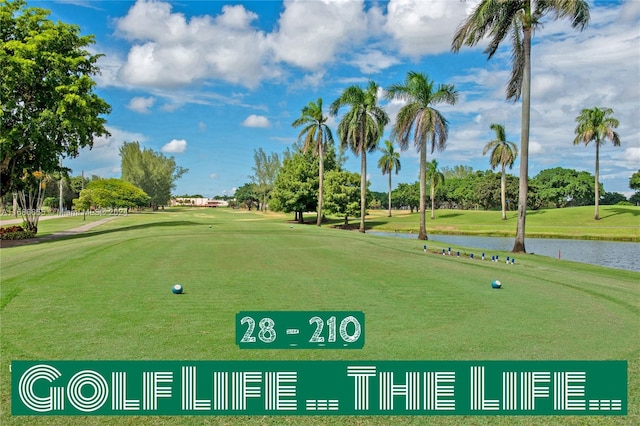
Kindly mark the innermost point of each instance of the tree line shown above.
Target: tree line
(295, 188)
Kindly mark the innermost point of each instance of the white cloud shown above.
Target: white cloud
(213, 176)
(173, 51)
(628, 159)
(104, 158)
(424, 27)
(373, 61)
(256, 121)
(141, 104)
(311, 33)
(175, 146)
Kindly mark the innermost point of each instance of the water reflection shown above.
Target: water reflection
(620, 255)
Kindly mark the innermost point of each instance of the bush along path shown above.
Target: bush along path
(60, 234)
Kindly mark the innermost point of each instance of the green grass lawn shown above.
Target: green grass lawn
(620, 223)
(106, 295)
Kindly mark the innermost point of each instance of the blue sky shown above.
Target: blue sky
(207, 82)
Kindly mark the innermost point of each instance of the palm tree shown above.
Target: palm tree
(360, 129)
(435, 177)
(420, 121)
(518, 19)
(597, 124)
(503, 153)
(389, 162)
(315, 135)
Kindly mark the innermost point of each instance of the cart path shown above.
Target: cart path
(59, 234)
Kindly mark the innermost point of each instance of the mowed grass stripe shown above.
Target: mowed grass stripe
(106, 295)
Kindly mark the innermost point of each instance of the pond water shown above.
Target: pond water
(620, 255)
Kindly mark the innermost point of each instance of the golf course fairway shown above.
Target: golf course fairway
(106, 294)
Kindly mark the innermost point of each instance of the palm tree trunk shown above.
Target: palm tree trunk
(363, 189)
(503, 189)
(518, 246)
(389, 193)
(422, 233)
(597, 215)
(320, 184)
(433, 203)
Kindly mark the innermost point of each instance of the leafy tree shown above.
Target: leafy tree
(517, 19)
(596, 125)
(418, 119)
(581, 189)
(461, 191)
(388, 162)
(377, 199)
(503, 154)
(315, 136)
(111, 193)
(488, 189)
(612, 198)
(151, 171)
(51, 202)
(265, 171)
(360, 129)
(406, 195)
(342, 194)
(564, 187)
(459, 171)
(47, 104)
(296, 186)
(435, 178)
(634, 181)
(247, 194)
(192, 196)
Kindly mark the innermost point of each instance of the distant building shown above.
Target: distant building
(198, 202)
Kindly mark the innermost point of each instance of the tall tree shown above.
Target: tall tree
(435, 178)
(150, 171)
(296, 186)
(503, 154)
(342, 194)
(247, 195)
(419, 120)
(634, 183)
(315, 136)
(596, 125)
(389, 162)
(517, 19)
(265, 171)
(407, 195)
(360, 129)
(47, 103)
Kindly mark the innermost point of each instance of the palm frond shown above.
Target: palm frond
(514, 86)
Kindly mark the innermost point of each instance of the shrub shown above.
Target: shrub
(15, 232)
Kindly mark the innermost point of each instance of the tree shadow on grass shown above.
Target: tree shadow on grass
(445, 215)
(614, 211)
(70, 235)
